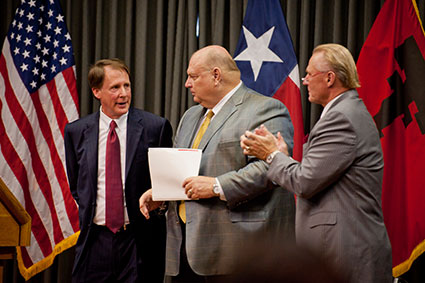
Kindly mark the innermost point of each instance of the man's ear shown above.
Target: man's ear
(96, 92)
(331, 78)
(217, 74)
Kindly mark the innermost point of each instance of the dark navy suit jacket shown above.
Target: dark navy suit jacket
(144, 130)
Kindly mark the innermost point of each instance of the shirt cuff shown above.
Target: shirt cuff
(222, 197)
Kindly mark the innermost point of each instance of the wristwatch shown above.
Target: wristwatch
(216, 189)
(269, 158)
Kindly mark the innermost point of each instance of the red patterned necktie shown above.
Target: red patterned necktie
(113, 182)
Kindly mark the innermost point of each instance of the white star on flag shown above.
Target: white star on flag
(258, 50)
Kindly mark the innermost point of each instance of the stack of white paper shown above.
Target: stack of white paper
(169, 167)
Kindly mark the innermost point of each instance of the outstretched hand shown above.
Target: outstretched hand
(147, 204)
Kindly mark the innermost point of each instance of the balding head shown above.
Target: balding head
(212, 73)
(216, 56)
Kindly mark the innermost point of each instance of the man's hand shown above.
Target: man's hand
(146, 204)
(199, 187)
(261, 143)
(281, 144)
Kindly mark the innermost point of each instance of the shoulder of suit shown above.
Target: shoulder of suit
(257, 97)
(89, 119)
(345, 101)
(142, 114)
(193, 109)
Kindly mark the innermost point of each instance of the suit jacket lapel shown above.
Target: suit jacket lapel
(225, 113)
(191, 127)
(134, 131)
(91, 136)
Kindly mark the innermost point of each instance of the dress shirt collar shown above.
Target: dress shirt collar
(223, 101)
(330, 103)
(121, 121)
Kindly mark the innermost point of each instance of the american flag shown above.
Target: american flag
(38, 97)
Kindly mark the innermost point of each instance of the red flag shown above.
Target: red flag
(267, 61)
(38, 97)
(391, 67)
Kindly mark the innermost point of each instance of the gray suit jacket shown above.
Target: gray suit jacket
(215, 227)
(338, 187)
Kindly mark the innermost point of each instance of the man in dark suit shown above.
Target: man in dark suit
(338, 183)
(231, 197)
(107, 166)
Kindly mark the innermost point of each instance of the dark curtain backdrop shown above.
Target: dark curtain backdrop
(156, 38)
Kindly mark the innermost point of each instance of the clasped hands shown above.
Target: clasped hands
(197, 187)
(261, 142)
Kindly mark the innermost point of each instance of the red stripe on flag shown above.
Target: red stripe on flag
(289, 94)
(57, 105)
(26, 257)
(25, 127)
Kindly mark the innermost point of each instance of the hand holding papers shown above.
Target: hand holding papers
(169, 167)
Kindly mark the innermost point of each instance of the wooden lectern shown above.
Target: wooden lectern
(15, 226)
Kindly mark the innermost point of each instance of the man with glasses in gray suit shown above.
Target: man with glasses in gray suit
(338, 183)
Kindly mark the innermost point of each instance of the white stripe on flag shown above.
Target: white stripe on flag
(69, 106)
(295, 76)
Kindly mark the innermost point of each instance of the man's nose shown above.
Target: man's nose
(123, 91)
(188, 84)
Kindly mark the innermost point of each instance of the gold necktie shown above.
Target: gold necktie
(196, 142)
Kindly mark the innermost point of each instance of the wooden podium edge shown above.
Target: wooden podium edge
(18, 211)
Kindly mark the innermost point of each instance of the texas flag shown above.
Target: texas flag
(267, 61)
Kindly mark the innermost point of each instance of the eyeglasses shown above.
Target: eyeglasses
(308, 75)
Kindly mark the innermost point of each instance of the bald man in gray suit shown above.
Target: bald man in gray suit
(338, 182)
(231, 198)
